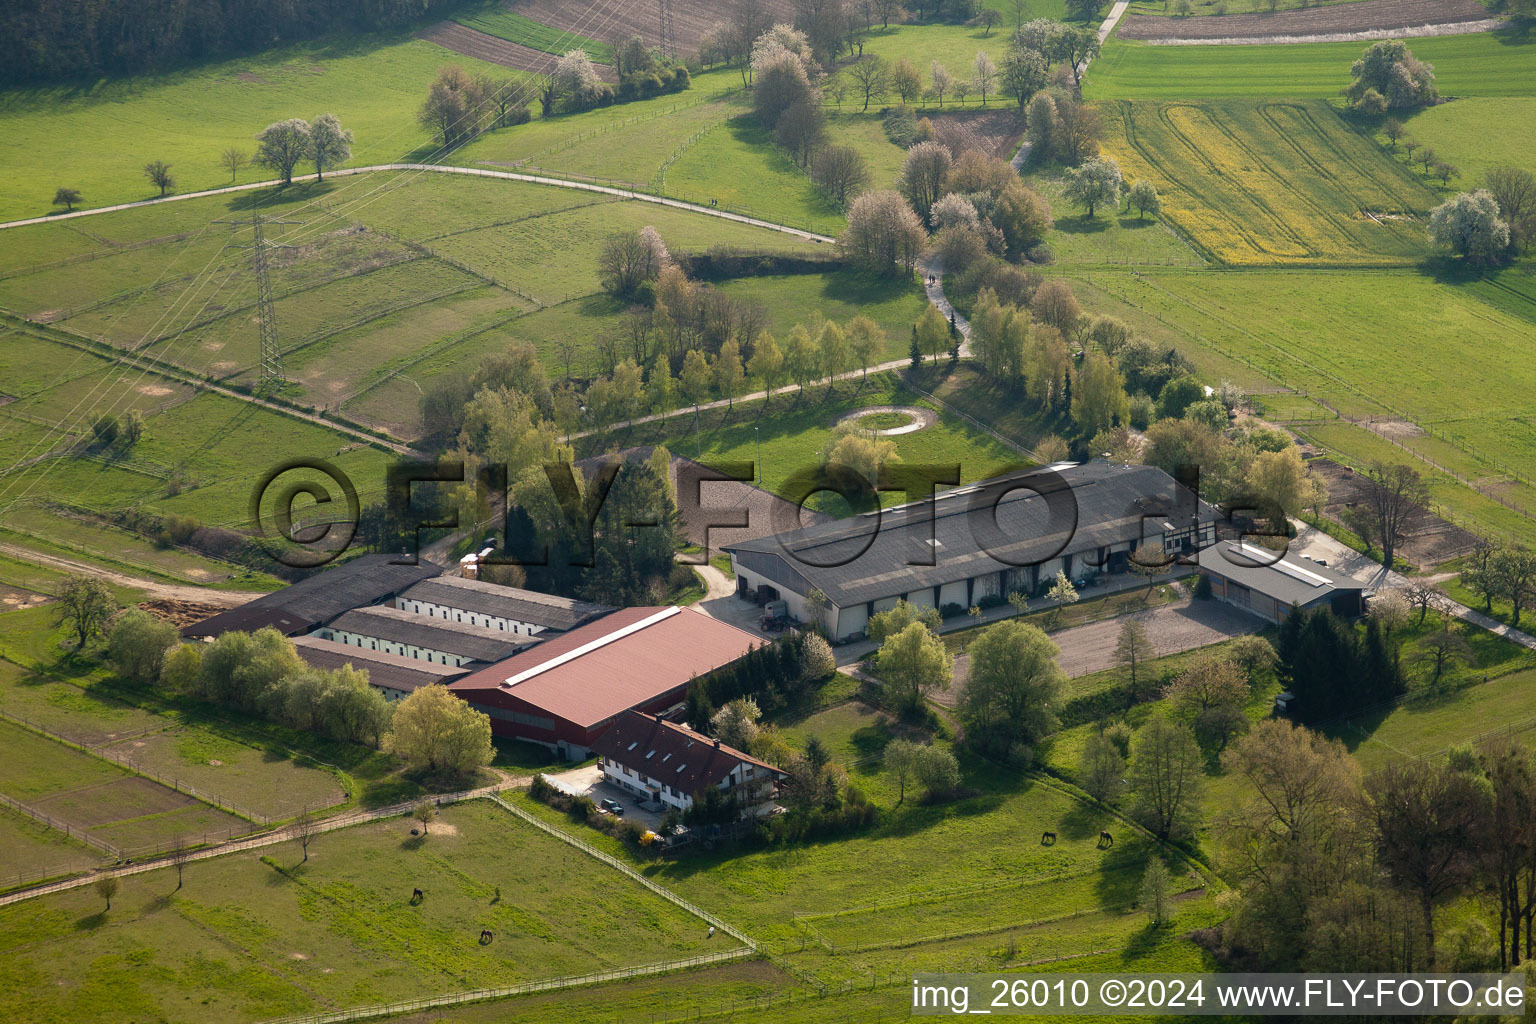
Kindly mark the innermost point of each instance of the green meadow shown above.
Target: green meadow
(1482, 64)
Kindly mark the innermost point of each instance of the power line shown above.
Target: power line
(270, 380)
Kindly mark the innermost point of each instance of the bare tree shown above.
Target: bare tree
(106, 887)
(423, 812)
(1393, 492)
(1420, 595)
(159, 174)
(840, 172)
(180, 853)
(304, 828)
(233, 159)
(871, 78)
(1441, 649)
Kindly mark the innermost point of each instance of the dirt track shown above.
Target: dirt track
(1312, 21)
(167, 591)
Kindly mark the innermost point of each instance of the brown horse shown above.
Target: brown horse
(485, 936)
(1048, 838)
(1105, 839)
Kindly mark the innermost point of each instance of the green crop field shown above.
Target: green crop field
(253, 937)
(1481, 64)
(497, 21)
(98, 137)
(1477, 133)
(1271, 183)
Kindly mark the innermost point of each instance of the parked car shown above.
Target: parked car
(613, 807)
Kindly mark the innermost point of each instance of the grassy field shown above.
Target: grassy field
(1299, 329)
(30, 850)
(1477, 133)
(1272, 183)
(98, 136)
(1482, 64)
(1208, 7)
(1113, 236)
(793, 430)
(494, 19)
(253, 937)
(112, 805)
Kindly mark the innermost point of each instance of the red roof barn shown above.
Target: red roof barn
(567, 691)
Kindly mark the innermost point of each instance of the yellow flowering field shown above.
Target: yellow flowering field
(1257, 183)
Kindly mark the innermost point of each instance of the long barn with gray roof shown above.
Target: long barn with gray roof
(976, 544)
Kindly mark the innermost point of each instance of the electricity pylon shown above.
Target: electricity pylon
(668, 38)
(271, 375)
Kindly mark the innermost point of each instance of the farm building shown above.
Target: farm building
(507, 609)
(394, 676)
(568, 690)
(670, 764)
(976, 544)
(445, 642)
(318, 598)
(1249, 577)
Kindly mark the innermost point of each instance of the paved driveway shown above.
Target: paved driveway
(1181, 626)
(588, 781)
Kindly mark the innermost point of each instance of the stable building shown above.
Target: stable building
(505, 609)
(975, 545)
(567, 691)
(442, 641)
(1270, 583)
(394, 676)
(669, 764)
(315, 600)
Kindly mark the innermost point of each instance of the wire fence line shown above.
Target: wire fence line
(104, 752)
(1436, 756)
(620, 866)
(526, 988)
(72, 831)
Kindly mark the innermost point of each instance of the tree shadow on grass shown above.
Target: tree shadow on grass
(1148, 938)
(1120, 868)
(264, 199)
(1082, 224)
(1128, 223)
(91, 922)
(1083, 821)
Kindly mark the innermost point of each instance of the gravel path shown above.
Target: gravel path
(152, 588)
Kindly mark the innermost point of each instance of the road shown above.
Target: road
(536, 179)
(152, 588)
(1313, 542)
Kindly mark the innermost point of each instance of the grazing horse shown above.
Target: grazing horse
(1048, 837)
(417, 895)
(1105, 839)
(485, 936)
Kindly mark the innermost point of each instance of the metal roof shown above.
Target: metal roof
(1079, 509)
(387, 670)
(320, 597)
(473, 642)
(547, 610)
(1289, 580)
(621, 661)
